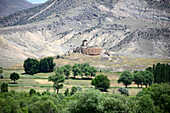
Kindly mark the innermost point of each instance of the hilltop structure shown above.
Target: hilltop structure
(88, 50)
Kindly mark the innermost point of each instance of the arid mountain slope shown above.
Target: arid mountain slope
(8, 7)
(127, 27)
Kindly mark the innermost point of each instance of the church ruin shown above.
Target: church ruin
(88, 50)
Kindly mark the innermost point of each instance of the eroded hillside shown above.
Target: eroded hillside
(126, 27)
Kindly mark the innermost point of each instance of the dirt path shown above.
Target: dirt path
(42, 10)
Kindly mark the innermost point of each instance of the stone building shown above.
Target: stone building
(88, 50)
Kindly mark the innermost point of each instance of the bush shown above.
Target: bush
(4, 87)
(101, 82)
(73, 90)
(66, 92)
(123, 91)
(1, 76)
(32, 91)
(160, 94)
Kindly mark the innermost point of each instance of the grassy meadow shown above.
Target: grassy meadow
(110, 67)
(40, 82)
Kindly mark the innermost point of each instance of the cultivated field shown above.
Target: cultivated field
(40, 82)
(110, 66)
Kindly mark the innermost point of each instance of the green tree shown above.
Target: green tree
(145, 104)
(161, 72)
(88, 101)
(76, 70)
(31, 66)
(67, 69)
(58, 78)
(87, 71)
(93, 71)
(44, 104)
(126, 78)
(148, 78)
(32, 91)
(73, 90)
(14, 76)
(46, 65)
(4, 87)
(138, 78)
(101, 82)
(160, 95)
(66, 92)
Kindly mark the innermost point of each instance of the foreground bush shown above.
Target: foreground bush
(94, 101)
(155, 99)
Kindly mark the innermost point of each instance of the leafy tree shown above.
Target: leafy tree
(138, 78)
(14, 76)
(93, 101)
(66, 92)
(161, 72)
(93, 71)
(43, 105)
(123, 91)
(147, 78)
(126, 78)
(32, 91)
(60, 70)
(73, 90)
(88, 101)
(101, 82)
(76, 70)
(87, 71)
(31, 66)
(9, 105)
(160, 95)
(57, 79)
(67, 69)
(46, 65)
(4, 87)
(145, 104)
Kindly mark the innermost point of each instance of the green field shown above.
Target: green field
(40, 82)
(108, 65)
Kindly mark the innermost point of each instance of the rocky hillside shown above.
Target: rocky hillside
(138, 28)
(8, 7)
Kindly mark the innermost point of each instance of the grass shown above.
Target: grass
(109, 68)
(40, 82)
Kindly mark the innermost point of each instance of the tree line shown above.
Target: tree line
(138, 77)
(33, 66)
(78, 69)
(154, 99)
(161, 72)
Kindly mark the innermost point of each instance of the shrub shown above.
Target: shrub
(32, 91)
(73, 90)
(4, 87)
(123, 91)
